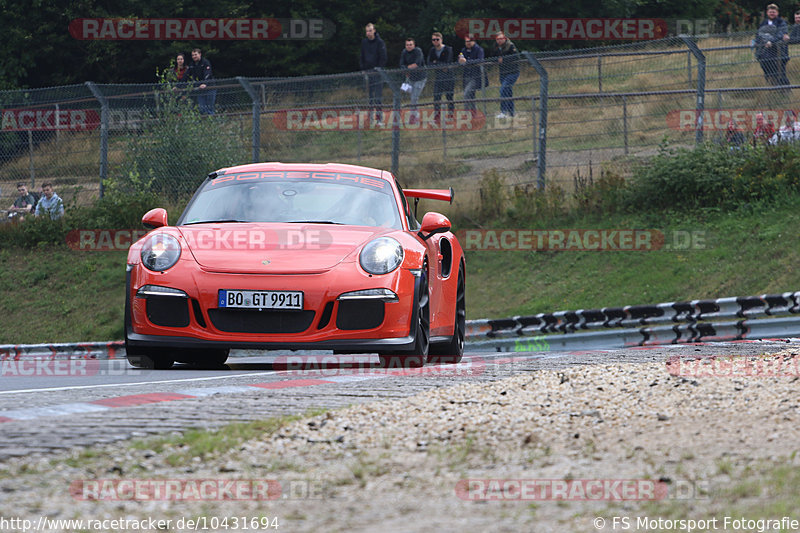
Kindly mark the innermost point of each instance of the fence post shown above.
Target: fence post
(103, 133)
(244, 82)
(542, 162)
(599, 73)
(397, 119)
(30, 159)
(625, 121)
(689, 67)
(484, 77)
(701, 87)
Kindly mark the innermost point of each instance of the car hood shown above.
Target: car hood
(262, 248)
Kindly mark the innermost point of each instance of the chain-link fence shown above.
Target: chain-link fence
(572, 110)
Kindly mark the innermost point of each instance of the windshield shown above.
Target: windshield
(274, 197)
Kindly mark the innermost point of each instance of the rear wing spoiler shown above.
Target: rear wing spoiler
(446, 195)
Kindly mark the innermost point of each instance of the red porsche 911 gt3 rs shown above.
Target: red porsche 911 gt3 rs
(297, 256)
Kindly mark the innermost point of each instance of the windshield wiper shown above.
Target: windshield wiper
(313, 222)
(222, 221)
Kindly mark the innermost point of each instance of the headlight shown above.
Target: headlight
(381, 256)
(160, 252)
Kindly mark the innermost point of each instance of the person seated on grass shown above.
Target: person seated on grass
(786, 133)
(51, 204)
(733, 135)
(764, 130)
(23, 205)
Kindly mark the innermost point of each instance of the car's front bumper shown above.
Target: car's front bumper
(201, 331)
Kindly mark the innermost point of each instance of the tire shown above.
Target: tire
(157, 359)
(452, 351)
(151, 359)
(417, 356)
(207, 359)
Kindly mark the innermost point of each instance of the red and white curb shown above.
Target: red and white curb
(474, 365)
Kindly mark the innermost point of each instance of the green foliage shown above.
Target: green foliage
(492, 195)
(715, 176)
(604, 195)
(686, 179)
(529, 203)
(175, 150)
(114, 211)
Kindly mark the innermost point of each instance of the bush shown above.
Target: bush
(177, 148)
(686, 179)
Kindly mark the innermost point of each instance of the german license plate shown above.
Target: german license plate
(261, 299)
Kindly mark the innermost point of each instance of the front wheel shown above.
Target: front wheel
(150, 359)
(415, 357)
(452, 351)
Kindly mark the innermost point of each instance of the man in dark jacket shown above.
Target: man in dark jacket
(508, 60)
(200, 74)
(441, 56)
(770, 43)
(471, 54)
(373, 54)
(413, 60)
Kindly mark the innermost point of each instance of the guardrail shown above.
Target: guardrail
(723, 319)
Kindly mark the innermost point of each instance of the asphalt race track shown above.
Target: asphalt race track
(53, 405)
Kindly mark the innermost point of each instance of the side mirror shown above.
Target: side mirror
(155, 218)
(433, 223)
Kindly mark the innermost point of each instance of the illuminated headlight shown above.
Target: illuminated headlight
(155, 290)
(381, 256)
(370, 294)
(160, 252)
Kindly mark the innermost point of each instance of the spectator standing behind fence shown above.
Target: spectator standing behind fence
(444, 82)
(413, 60)
(24, 204)
(50, 204)
(179, 74)
(372, 56)
(200, 74)
(508, 60)
(770, 44)
(471, 53)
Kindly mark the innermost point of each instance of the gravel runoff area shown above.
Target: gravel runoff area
(714, 441)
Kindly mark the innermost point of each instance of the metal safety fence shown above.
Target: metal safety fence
(724, 319)
(572, 110)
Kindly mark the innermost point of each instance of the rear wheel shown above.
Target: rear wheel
(415, 357)
(452, 351)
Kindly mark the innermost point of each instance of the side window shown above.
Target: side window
(413, 224)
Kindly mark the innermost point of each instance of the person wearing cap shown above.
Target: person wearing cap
(770, 44)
